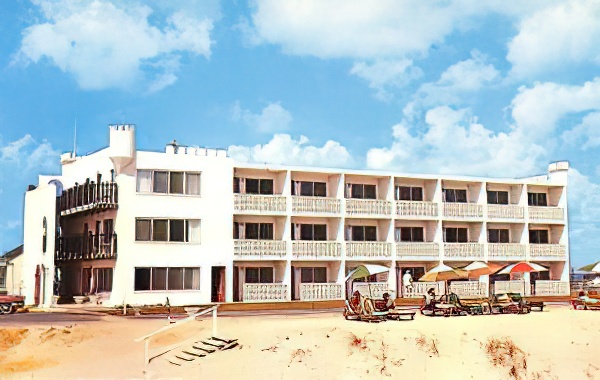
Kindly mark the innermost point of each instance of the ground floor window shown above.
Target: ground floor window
(313, 275)
(262, 275)
(104, 279)
(2, 276)
(164, 278)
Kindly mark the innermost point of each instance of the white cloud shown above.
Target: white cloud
(555, 37)
(283, 149)
(584, 198)
(26, 153)
(384, 75)
(272, 118)
(587, 133)
(104, 44)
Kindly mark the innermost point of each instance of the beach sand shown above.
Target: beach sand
(559, 343)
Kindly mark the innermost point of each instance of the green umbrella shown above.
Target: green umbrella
(594, 267)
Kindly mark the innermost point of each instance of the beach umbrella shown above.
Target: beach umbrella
(366, 270)
(522, 267)
(477, 268)
(594, 267)
(443, 272)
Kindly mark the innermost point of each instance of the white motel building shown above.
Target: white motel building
(196, 227)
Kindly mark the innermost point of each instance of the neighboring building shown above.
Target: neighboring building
(10, 271)
(193, 225)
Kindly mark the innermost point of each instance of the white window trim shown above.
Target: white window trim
(185, 174)
(186, 225)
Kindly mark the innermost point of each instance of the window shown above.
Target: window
(454, 195)
(259, 186)
(173, 230)
(407, 193)
(360, 191)
(262, 275)
(498, 236)
(162, 279)
(254, 231)
(538, 236)
(2, 276)
(497, 197)
(363, 233)
(309, 189)
(309, 232)
(456, 235)
(313, 275)
(103, 278)
(537, 199)
(409, 234)
(164, 182)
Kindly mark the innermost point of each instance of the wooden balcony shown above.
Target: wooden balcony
(547, 252)
(90, 196)
(321, 292)
(265, 292)
(410, 209)
(364, 250)
(310, 250)
(90, 247)
(251, 203)
(505, 212)
(462, 210)
(368, 207)
(247, 249)
(420, 250)
(506, 251)
(463, 251)
(315, 205)
(546, 213)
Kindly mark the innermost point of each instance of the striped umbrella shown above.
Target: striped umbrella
(479, 268)
(594, 267)
(443, 272)
(522, 267)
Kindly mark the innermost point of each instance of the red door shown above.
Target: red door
(38, 285)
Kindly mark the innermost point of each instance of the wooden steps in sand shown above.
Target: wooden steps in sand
(200, 349)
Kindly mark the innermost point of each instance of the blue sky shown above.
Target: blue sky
(462, 87)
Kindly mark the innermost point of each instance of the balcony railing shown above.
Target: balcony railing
(368, 250)
(546, 213)
(260, 249)
(371, 289)
(470, 251)
(316, 249)
(506, 251)
(89, 196)
(320, 292)
(514, 286)
(469, 289)
(547, 251)
(431, 250)
(552, 288)
(420, 288)
(80, 247)
(315, 205)
(259, 203)
(505, 212)
(416, 209)
(462, 210)
(366, 207)
(265, 292)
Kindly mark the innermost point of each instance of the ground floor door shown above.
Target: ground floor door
(236, 284)
(38, 285)
(294, 293)
(217, 284)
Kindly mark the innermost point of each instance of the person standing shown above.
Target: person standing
(407, 282)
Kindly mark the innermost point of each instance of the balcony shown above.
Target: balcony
(89, 196)
(361, 250)
(372, 289)
(546, 213)
(420, 288)
(416, 209)
(251, 203)
(420, 250)
(463, 251)
(505, 212)
(259, 249)
(316, 249)
(552, 288)
(462, 210)
(320, 292)
(368, 207)
(90, 247)
(315, 205)
(470, 289)
(265, 292)
(506, 251)
(547, 252)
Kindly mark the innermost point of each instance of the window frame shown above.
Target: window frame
(312, 270)
(503, 235)
(451, 195)
(537, 199)
(261, 272)
(495, 199)
(360, 233)
(185, 190)
(399, 234)
(412, 193)
(453, 232)
(541, 235)
(151, 275)
(359, 191)
(313, 190)
(187, 239)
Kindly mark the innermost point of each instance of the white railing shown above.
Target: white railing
(418, 249)
(410, 208)
(265, 292)
(463, 210)
(469, 289)
(552, 213)
(368, 207)
(420, 288)
(368, 249)
(320, 292)
(515, 286)
(552, 288)
(315, 205)
(547, 251)
(316, 249)
(259, 203)
(506, 250)
(371, 289)
(471, 251)
(259, 248)
(505, 211)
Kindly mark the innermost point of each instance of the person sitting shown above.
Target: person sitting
(430, 297)
(583, 297)
(386, 304)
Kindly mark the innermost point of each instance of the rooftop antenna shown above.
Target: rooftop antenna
(75, 140)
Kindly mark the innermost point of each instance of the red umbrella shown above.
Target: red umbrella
(522, 267)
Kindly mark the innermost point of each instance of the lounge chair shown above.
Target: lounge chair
(516, 297)
(503, 304)
(394, 312)
(352, 309)
(435, 308)
(472, 307)
(369, 312)
(584, 302)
